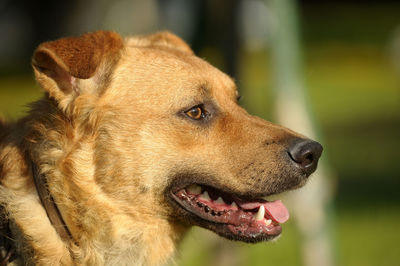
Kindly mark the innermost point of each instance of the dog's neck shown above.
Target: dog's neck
(104, 233)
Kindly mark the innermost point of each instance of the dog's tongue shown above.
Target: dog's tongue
(275, 208)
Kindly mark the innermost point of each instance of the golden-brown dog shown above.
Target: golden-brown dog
(136, 140)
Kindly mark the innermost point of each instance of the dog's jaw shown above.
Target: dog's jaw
(233, 218)
(233, 215)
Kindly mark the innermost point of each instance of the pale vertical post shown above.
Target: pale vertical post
(311, 205)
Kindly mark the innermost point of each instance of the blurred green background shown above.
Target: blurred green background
(351, 66)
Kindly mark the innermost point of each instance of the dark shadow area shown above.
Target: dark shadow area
(367, 192)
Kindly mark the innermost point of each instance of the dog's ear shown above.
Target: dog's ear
(160, 39)
(60, 65)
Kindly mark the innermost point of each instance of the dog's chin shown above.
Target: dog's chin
(231, 216)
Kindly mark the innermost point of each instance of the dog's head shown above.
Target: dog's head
(168, 140)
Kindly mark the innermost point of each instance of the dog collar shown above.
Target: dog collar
(50, 206)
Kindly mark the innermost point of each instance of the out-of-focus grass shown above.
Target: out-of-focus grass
(15, 93)
(368, 235)
(357, 84)
(345, 84)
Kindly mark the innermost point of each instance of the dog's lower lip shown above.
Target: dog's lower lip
(224, 213)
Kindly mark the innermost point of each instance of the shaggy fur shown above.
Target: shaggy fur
(110, 136)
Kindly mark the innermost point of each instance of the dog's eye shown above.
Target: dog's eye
(195, 113)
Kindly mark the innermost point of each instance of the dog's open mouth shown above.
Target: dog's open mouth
(231, 216)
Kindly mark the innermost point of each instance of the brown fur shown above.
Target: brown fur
(110, 137)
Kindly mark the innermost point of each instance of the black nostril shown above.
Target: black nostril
(308, 158)
(305, 153)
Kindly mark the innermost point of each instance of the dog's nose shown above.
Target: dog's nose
(305, 154)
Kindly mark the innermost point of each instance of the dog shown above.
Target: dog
(134, 141)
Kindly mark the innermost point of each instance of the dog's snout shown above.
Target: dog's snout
(305, 154)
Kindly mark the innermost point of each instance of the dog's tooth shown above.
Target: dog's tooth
(234, 205)
(220, 201)
(268, 222)
(260, 214)
(194, 189)
(205, 196)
